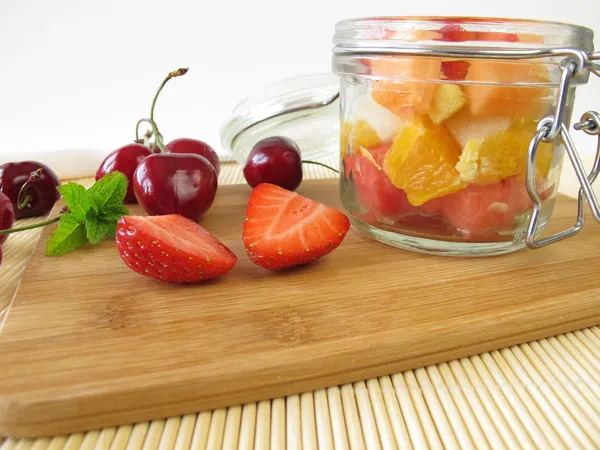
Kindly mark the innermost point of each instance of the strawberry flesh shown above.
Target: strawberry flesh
(284, 229)
(171, 248)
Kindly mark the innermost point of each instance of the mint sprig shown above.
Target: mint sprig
(69, 235)
(76, 199)
(92, 214)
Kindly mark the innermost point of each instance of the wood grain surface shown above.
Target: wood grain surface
(90, 344)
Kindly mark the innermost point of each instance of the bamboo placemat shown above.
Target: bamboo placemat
(544, 394)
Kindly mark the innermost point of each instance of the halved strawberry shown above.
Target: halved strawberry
(171, 248)
(284, 229)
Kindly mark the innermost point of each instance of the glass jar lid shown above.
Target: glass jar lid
(460, 31)
(304, 109)
(357, 41)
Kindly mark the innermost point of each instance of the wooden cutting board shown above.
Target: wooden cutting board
(89, 343)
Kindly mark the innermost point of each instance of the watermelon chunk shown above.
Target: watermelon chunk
(478, 209)
(375, 190)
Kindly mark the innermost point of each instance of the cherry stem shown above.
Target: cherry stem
(137, 128)
(304, 161)
(25, 201)
(30, 227)
(157, 135)
(22, 199)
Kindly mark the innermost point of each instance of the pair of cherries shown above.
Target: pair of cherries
(180, 179)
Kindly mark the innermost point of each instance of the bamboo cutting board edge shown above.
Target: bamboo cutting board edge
(20, 425)
(16, 409)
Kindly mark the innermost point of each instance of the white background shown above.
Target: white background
(78, 74)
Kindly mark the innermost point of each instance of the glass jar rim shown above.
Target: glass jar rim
(410, 31)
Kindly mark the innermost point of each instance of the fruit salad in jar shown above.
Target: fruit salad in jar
(434, 150)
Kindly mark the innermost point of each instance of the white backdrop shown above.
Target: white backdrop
(78, 74)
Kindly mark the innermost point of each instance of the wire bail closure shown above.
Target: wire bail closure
(552, 128)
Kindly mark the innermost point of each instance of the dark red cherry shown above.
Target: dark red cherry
(39, 196)
(154, 148)
(124, 160)
(174, 183)
(274, 160)
(7, 216)
(196, 147)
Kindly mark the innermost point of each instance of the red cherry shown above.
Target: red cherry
(39, 196)
(7, 217)
(172, 183)
(275, 160)
(155, 148)
(196, 147)
(124, 160)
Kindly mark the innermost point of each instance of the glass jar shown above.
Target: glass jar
(438, 116)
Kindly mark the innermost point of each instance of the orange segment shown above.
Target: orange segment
(345, 129)
(525, 130)
(421, 161)
(499, 99)
(364, 135)
(358, 134)
(405, 98)
(490, 160)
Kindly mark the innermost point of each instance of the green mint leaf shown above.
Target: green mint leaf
(69, 235)
(112, 230)
(75, 196)
(114, 213)
(96, 228)
(108, 191)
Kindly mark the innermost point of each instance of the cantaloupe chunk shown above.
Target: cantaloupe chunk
(448, 99)
(530, 38)
(413, 35)
(505, 100)
(497, 36)
(464, 127)
(405, 98)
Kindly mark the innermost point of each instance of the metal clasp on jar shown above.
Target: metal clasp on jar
(552, 128)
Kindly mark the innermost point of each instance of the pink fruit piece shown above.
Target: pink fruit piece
(375, 190)
(478, 209)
